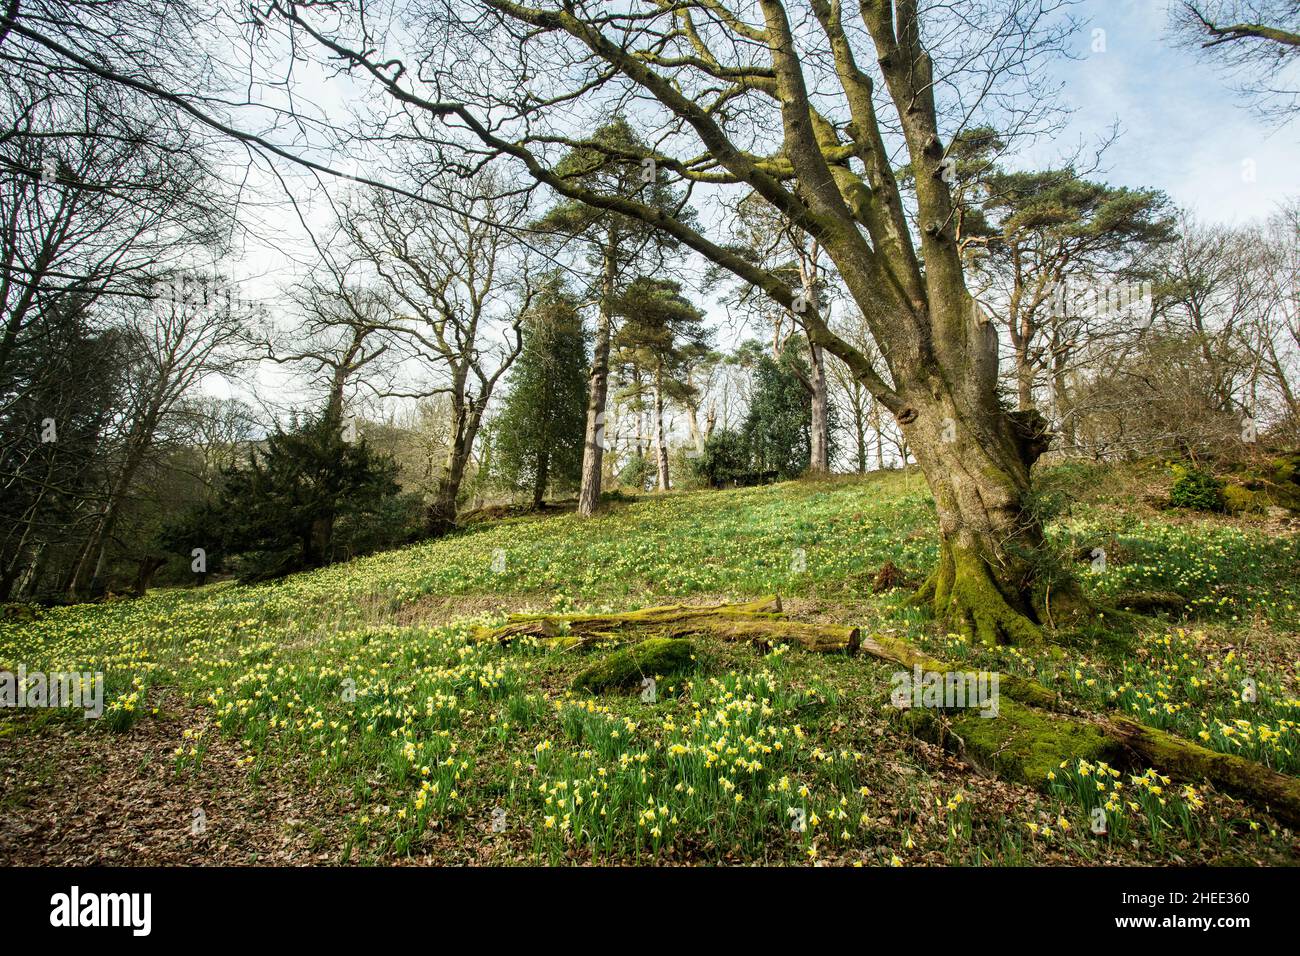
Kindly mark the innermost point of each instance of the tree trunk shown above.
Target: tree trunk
(976, 461)
(661, 446)
(693, 421)
(318, 542)
(145, 570)
(593, 452)
(1061, 399)
(878, 424)
(819, 463)
(98, 549)
(1024, 381)
(31, 576)
(440, 517)
(860, 433)
(539, 482)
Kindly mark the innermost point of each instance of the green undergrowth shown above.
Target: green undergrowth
(362, 683)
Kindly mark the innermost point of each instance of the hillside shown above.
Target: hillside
(349, 715)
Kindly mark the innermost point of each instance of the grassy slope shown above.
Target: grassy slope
(441, 734)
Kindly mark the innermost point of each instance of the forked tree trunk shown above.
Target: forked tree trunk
(145, 570)
(440, 518)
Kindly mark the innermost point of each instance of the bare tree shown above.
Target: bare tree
(1255, 42)
(456, 303)
(194, 329)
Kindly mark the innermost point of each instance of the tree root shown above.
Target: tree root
(1036, 730)
(964, 597)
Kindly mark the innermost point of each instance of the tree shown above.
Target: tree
(610, 161)
(343, 332)
(664, 334)
(539, 433)
(1044, 235)
(448, 278)
(195, 328)
(1253, 41)
(791, 254)
(276, 513)
(57, 405)
(778, 429)
(724, 460)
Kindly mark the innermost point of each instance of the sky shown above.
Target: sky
(1183, 127)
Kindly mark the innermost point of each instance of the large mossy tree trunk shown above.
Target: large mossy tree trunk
(976, 456)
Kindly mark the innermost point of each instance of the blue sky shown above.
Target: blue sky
(1184, 129)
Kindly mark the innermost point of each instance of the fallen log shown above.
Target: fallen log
(1036, 729)
(760, 622)
(765, 633)
(1149, 602)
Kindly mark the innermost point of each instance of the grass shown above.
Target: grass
(359, 683)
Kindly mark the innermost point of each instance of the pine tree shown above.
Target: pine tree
(618, 246)
(663, 335)
(539, 433)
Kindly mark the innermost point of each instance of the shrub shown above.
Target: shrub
(725, 459)
(636, 473)
(1196, 489)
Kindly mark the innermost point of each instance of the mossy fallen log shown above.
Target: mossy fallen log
(1147, 602)
(1231, 773)
(655, 657)
(1035, 730)
(760, 622)
(767, 632)
(584, 626)
(1022, 743)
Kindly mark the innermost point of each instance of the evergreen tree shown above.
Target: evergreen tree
(276, 513)
(662, 337)
(539, 433)
(778, 429)
(611, 160)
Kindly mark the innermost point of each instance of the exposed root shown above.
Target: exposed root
(1036, 730)
(964, 596)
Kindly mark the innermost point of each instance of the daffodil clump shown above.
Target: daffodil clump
(1117, 806)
